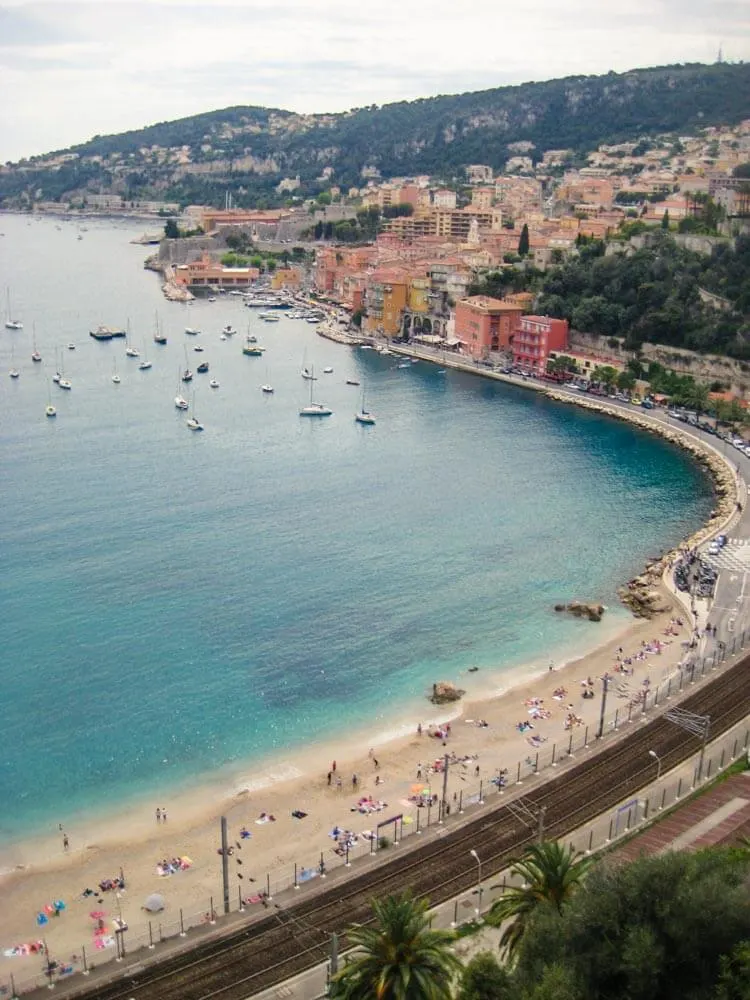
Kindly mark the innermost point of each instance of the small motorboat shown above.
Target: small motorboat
(306, 373)
(202, 367)
(266, 388)
(223, 337)
(132, 352)
(211, 298)
(328, 371)
(144, 366)
(36, 357)
(50, 411)
(404, 364)
(352, 381)
(198, 349)
(191, 331)
(14, 373)
(71, 347)
(229, 330)
(214, 384)
(116, 379)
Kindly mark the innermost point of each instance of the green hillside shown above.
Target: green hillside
(248, 149)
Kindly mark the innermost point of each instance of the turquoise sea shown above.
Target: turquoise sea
(172, 603)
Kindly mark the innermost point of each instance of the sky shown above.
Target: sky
(71, 70)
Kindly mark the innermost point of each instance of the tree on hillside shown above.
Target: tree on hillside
(523, 242)
(399, 957)
(551, 874)
(665, 219)
(665, 927)
(171, 229)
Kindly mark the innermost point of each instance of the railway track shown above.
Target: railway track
(288, 941)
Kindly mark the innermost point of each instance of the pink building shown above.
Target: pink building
(484, 324)
(534, 338)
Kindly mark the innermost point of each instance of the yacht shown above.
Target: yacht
(252, 348)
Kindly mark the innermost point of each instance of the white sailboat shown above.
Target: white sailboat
(314, 409)
(363, 416)
(145, 364)
(49, 410)
(13, 372)
(115, 376)
(35, 355)
(130, 351)
(179, 401)
(10, 323)
(193, 422)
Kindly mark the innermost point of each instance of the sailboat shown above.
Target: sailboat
(58, 375)
(179, 401)
(159, 337)
(363, 416)
(13, 372)
(314, 409)
(115, 376)
(10, 323)
(145, 364)
(35, 355)
(63, 382)
(193, 422)
(252, 348)
(49, 410)
(130, 351)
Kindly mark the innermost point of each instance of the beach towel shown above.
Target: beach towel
(306, 874)
(298, 814)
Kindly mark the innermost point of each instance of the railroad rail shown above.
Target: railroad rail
(291, 939)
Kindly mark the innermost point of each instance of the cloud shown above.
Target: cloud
(73, 68)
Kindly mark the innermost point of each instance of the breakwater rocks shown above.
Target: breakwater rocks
(579, 609)
(642, 594)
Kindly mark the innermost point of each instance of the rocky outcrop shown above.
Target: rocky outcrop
(444, 692)
(580, 609)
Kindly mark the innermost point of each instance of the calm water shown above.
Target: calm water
(173, 602)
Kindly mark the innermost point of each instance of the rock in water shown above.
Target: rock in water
(443, 692)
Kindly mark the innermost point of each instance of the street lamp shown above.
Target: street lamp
(657, 758)
(478, 907)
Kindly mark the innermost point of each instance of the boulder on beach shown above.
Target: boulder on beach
(445, 691)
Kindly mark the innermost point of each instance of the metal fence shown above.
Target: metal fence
(462, 796)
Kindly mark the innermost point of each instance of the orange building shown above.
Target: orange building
(387, 293)
(212, 274)
(286, 277)
(484, 324)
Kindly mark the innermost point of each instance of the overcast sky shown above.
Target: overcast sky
(70, 70)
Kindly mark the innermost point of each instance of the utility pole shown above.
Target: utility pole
(445, 788)
(224, 863)
(697, 725)
(605, 688)
(540, 828)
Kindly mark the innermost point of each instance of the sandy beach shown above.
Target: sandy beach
(392, 773)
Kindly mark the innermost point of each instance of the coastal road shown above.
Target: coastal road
(293, 938)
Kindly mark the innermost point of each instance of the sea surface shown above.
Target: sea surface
(175, 604)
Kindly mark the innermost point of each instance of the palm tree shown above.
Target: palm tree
(400, 957)
(551, 873)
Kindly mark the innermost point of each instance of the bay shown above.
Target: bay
(177, 605)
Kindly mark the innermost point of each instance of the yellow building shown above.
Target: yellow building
(417, 300)
(387, 294)
(285, 277)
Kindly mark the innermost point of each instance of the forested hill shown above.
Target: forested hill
(253, 148)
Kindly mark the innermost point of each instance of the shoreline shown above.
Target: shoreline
(135, 842)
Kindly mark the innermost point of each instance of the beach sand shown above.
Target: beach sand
(135, 842)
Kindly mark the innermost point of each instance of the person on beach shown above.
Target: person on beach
(66, 842)
(164, 815)
(329, 776)
(158, 815)
(333, 767)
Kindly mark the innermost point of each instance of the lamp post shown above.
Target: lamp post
(605, 689)
(478, 908)
(657, 758)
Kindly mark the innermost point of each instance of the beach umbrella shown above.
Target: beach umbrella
(154, 903)
(59, 905)
(42, 919)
